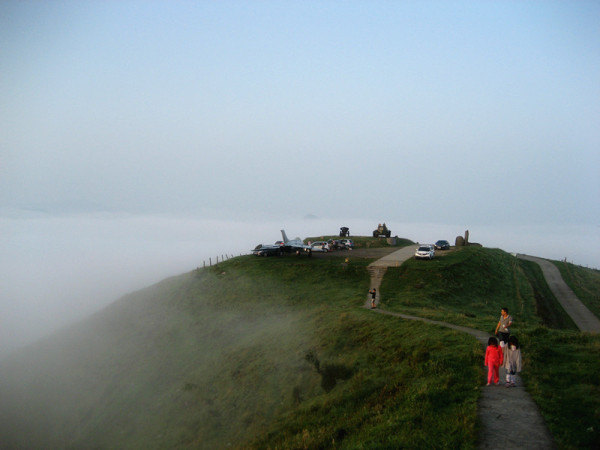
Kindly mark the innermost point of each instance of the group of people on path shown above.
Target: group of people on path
(504, 352)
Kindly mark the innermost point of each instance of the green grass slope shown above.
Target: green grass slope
(562, 374)
(280, 353)
(564, 365)
(243, 354)
(466, 287)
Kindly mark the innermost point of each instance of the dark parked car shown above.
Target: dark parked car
(334, 244)
(442, 245)
(267, 250)
(347, 243)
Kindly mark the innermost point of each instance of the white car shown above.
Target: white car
(425, 252)
(319, 246)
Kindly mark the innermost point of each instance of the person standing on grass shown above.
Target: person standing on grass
(503, 327)
(493, 360)
(512, 361)
(373, 293)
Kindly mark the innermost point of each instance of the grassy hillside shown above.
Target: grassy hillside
(279, 353)
(241, 353)
(562, 374)
(467, 287)
(410, 386)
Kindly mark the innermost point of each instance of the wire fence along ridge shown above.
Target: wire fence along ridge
(223, 258)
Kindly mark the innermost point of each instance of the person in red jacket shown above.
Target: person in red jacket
(493, 360)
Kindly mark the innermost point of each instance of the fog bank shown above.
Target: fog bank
(58, 269)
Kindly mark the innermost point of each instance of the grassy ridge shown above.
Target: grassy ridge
(466, 287)
(322, 295)
(222, 356)
(279, 353)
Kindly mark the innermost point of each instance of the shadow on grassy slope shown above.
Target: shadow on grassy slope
(547, 307)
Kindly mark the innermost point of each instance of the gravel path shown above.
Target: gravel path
(581, 315)
(508, 417)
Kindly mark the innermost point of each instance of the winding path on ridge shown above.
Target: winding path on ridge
(581, 315)
(499, 409)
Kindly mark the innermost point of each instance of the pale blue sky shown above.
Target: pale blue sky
(172, 132)
(476, 112)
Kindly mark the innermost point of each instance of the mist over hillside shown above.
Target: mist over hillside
(55, 270)
(142, 139)
(214, 358)
(137, 364)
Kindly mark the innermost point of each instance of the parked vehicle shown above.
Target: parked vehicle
(347, 243)
(335, 244)
(425, 252)
(442, 245)
(267, 250)
(319, 246)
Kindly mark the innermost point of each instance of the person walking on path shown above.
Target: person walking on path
(503, 327)
(493, 359)
(512, 361)
(373, 293)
